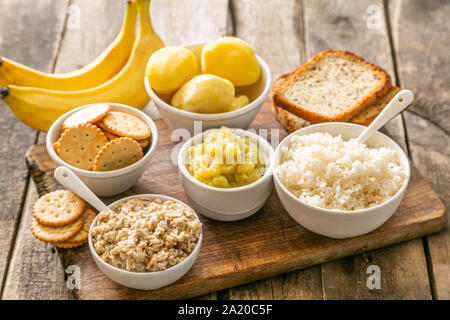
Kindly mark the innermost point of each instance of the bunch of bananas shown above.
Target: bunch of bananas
(116, 75)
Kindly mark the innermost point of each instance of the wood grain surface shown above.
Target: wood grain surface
(345, 25)
(264, 245)
(75, 48)
(262, 26)
(420, 32)
(196, 20)
(412, 43)
(33, 40)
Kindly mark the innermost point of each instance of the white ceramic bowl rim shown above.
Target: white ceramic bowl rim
(153, 273)
(112, 173)
(216, 116)
(349, 213)
(269, 153)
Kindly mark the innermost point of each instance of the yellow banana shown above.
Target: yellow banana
(103, 68)
(39, 108)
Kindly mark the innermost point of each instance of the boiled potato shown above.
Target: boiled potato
(169, 68)
(231, 58)
(240, 101)
(205, 93)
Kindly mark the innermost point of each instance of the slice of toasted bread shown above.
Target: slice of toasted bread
(366, 116)
(287, 119)
(334, 85)
(292, 123)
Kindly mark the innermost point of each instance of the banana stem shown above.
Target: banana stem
(4, 91)
(145, 23)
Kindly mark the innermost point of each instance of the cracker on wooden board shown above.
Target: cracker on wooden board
(82, 236)
(90, 114)
(67, 245)
(79, 145)
(126, 125)
(56, 234)
(58, 208)
(118, 153)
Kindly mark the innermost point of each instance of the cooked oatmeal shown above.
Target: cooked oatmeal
(145, 235)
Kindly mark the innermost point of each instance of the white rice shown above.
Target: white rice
(328, 172)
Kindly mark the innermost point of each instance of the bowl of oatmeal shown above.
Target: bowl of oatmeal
(335, 186)
(146, 242)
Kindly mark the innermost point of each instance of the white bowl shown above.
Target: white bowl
(241, 118)
(145, 280)
(227, 204)
(106, 183)
(337, 223)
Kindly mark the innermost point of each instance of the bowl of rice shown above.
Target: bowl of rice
(336, 187)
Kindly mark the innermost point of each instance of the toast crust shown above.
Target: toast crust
(289, 121)
(366, 116)
(292, 122)
(380, 90)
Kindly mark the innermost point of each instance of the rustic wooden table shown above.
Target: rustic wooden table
(409, 38)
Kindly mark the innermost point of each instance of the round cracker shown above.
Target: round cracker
(68, 245)
(82, 235)
(90, 114)
(110, 135)
(58, 208)
(144, 143)
(79, 145)
(102, 126)
(117, 154)
(56, 234)
(126, 125)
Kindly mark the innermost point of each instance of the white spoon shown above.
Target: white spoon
(68, 179)
(401, 100)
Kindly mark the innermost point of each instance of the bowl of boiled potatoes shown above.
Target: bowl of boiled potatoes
(207, 85)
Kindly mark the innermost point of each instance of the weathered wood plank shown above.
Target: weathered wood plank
(347, 278)
(276, 33)
(429, 146)
(352, 26)
(181, 22)
(29, 33)
(341, 24)
(35, 271)
(420, 33)
(80, 46)
(100, 22)
(267, 244)
(305, 284)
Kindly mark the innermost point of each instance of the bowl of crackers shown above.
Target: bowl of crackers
(107, 145)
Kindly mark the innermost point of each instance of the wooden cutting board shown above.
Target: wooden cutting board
(233, 253)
